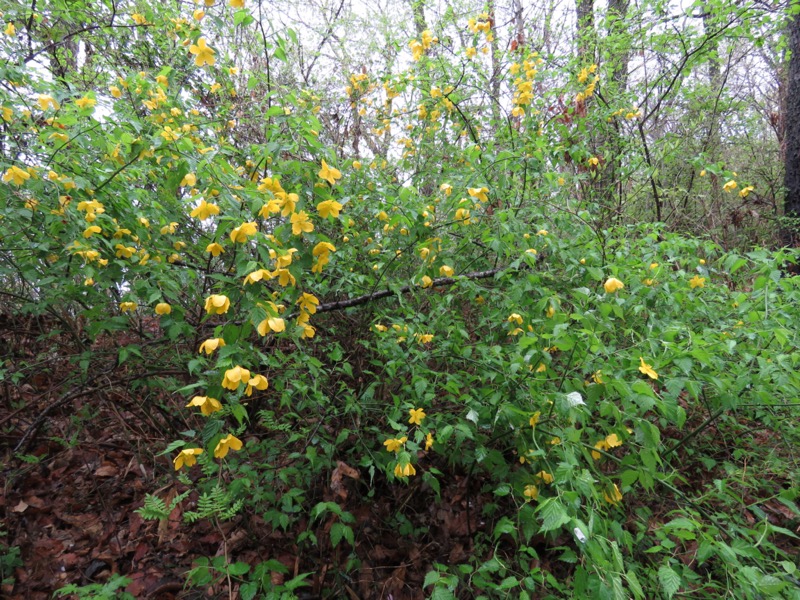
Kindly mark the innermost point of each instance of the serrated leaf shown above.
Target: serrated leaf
(670, 581)
(553, 514)
(431, 578)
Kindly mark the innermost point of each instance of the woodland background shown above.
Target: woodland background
(437, 299)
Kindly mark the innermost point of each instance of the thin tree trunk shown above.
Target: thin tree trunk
(791, 182)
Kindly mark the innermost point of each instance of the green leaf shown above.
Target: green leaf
(670, 581)
(553, 515)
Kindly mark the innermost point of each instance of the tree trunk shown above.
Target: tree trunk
(586, 35)
(791, 204)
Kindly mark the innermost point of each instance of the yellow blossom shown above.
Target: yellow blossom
(424, 338)
(612, 440)
(208, 405)
(235, 376)
(613, 496)
(329, 174)
(395, 445)
(139, 19)
(90, 231)
(204, 55)
(85, 102)
(187, 457)
(45, 101)
(329, 208)
(198, 14)
(16, 175)
(612, 285)
(162, 308)
(189, 180)
(215, 249)
(531, 492)
(544, 476)
(417, 415)
(210, 345)
(479, 193)
(229, 442)
(257, 382)
(534, 420)
(515, 318)
(204, 210)
(241, 233)
(257, 275)
(308, 303)
(647, 369)
(744, 192)
(446, 271)
(426, 281)
(428, 441)
(729, 186)
(127, 306)
(275, 324)
(10, 30)
(237, 3)
(217, 304)
(403, 471)
(301, 223)
(697, 281)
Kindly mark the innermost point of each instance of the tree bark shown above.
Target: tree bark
(791, 204)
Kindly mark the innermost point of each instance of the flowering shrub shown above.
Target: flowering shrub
(412, 323)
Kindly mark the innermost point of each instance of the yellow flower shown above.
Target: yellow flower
(189, 180)
(90, 231)
(275, 324)
(245, 230)
(217, 304)
(545, 477)
(612, 440)
(471, 51)
(257, 275)
(308, 303)
(382, 216)
(446, 271)
(208, 405)
(515, 318)
(448, 189)
(237, 3)
(16, 175)
(285, 276)
(203, 54)
(424, 338)
(10, 30)
(233, 377)
(162, 308)
(356, 164)
(647, 369)
(426, 281)
(428, 441)
(210, 345)
(229, 442)
(703, 173)
(405, 470)
(612, 285)
(329, 208)
(301, 223)
(417, 415)
(124, 251)
(198, 14)
(729, 186)
(258, 382)
(329, 174)
(187, 457)
(613, 496)
(215, 249)
(597, 377)
(531, 492)
(535, 418)
(139, 19)
(479, 193)
(204, 210)
(85, 102)
(46, 101)
(744, 192)
(550, 312)
(395, 445)
(594, 161)
(127, 306)
(697, 281)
